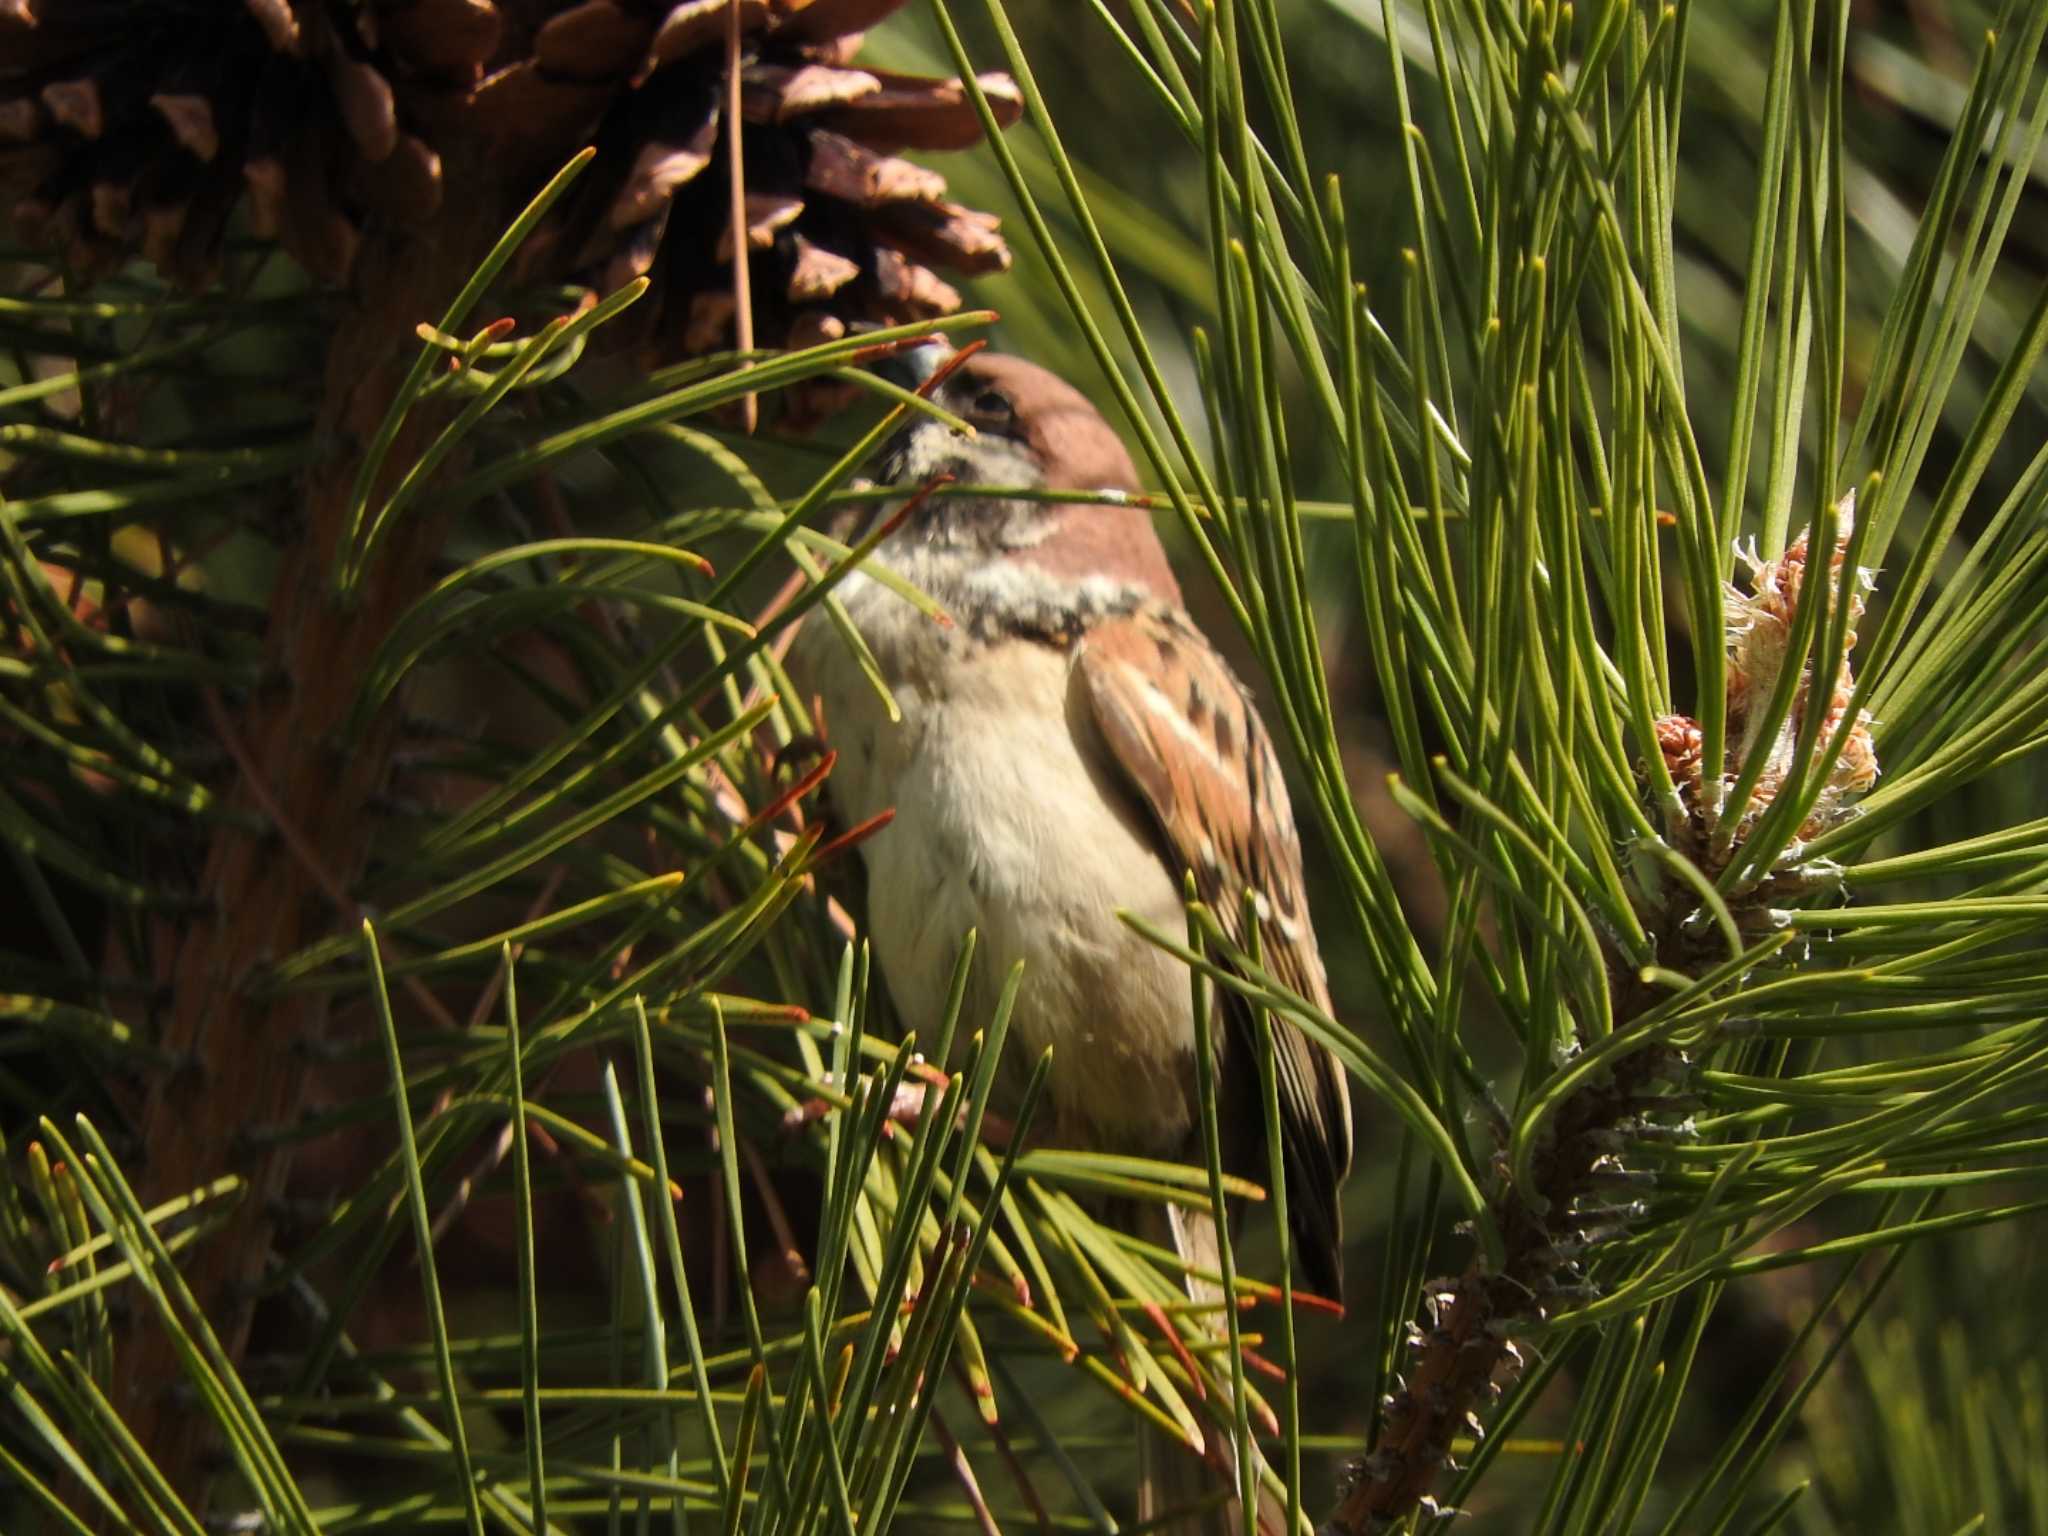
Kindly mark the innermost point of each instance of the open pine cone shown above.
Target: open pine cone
(839, 230)
(136, 126)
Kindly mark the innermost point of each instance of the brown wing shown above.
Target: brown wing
(1191, 743)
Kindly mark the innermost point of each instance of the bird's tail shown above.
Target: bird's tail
(1171, 1476)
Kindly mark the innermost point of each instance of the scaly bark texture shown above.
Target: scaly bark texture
(242, 1057)
(1457, 1361)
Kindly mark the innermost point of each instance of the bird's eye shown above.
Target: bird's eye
(994, 404)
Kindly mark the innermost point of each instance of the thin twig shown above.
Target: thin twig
(964, 1471)
(736, 169)
(301, 848)
(1019, 1473)
(778, 1215)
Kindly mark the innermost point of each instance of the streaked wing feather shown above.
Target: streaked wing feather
(1189, 740)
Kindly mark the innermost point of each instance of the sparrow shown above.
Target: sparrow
(1070, 746)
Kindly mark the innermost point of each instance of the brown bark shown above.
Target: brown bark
(1456, 1362)
(1462, 1351)
(241, 1057)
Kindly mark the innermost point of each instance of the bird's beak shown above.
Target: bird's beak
(911, 367)
(912, 451)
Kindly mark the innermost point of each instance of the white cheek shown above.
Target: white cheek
(929, 449)
(994, 458)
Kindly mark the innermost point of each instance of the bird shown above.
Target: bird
(1071, 746)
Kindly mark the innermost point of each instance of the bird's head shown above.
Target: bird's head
(1032, 431)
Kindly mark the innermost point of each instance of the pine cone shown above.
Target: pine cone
(840, 231)
(137, 125)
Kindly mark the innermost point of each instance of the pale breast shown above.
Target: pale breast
(1011, 820)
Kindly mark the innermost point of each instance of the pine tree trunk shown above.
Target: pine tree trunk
(242, 1054)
